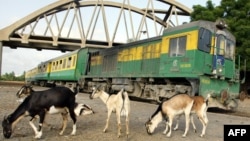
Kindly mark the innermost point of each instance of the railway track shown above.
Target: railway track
(238, 112)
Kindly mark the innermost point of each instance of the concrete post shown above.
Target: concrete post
(1, 57)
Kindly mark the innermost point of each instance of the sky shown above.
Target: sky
(20, 59)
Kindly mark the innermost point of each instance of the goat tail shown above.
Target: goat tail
(207, 98)
(124, 100)
(76, 89)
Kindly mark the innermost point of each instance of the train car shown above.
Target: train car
(43, 73)
(30, 76)
(38, 75)
(63, 70)
(68, 68)
(197, 58)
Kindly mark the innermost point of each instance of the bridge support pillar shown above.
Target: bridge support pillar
(1, 57)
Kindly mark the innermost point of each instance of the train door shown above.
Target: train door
(204, 45)
(218, 56)
(109, 63)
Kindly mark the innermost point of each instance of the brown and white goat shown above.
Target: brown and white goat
(119, 102)
(199, 108)
(168, 109)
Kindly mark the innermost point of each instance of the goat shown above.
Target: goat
(120, 103)
(54, 100)
(176, 105)
(199, 108)
(80, 108)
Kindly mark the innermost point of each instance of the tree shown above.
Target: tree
(236, 13)
(11, 77)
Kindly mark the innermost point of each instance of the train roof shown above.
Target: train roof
(197, 24)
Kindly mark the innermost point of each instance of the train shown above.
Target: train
(197, 58)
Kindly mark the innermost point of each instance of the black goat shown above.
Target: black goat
(54, 100)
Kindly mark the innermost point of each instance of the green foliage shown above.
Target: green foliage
(11, 77)
(236, 13)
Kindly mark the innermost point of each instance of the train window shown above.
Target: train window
(220, 44)
(64, 63)
(74, 60)
(178, 46)
(60, 65)
(229, 50)
(39, 69)
(69, 62)
(53, 66)
(44, 68)
(56, 65)
(204, 40)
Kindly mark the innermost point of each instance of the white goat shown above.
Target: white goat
(199, 108)
(119, 102)
(176, 105)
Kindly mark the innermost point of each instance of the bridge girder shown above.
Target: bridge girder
(57, 35)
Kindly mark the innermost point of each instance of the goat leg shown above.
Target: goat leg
(204, 122)
(166, 129)
(118, 124)
(73, 117)
(64, 123)
(127, 125)
(33, 126)
(170, 126)
(40, 132)
(192, 121)
(107, 121)
(187, 116)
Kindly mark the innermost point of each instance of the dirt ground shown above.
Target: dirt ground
(90, 127)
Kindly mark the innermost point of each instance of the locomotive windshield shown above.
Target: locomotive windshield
(229, 50)
(204, 40)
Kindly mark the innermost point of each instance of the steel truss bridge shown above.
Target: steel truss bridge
(67, 25)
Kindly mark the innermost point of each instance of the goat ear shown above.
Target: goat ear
(6, 119)
(99, 87)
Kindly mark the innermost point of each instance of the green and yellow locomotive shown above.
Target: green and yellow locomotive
(197, 58)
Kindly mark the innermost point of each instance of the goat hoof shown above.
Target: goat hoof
(184, 136)
(201, 136)
(38, 135)
(168, 136)
(73, 134)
